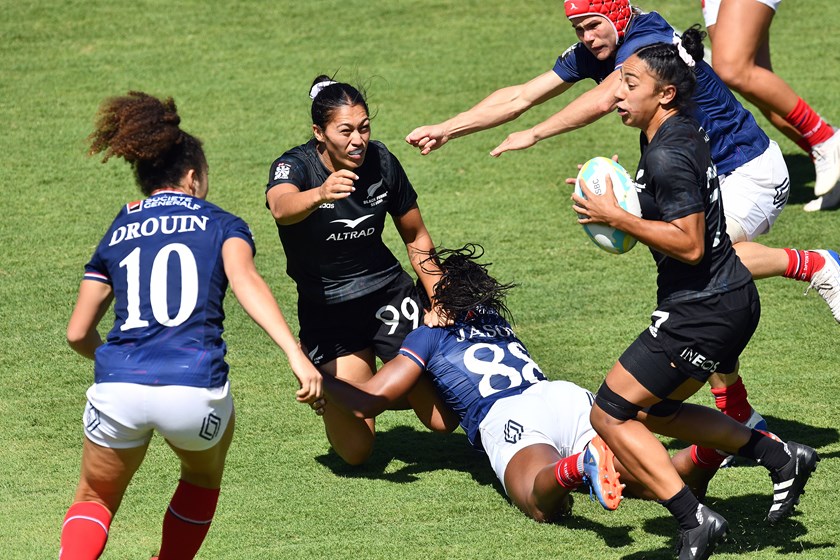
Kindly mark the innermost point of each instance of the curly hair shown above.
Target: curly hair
(465, 286)
(145, 132)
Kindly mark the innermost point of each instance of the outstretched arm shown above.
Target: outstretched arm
(256, 298)
(497, 108)
(368, 399)
(585, 109)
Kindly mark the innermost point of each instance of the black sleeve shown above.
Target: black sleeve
(289, 169)
(679, 183)
(403, 196)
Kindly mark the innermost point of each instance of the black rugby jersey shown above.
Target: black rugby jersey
(676, 178)
(336, 253)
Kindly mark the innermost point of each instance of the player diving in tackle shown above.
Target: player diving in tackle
(535, 432)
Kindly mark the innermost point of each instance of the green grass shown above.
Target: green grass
(240, 73)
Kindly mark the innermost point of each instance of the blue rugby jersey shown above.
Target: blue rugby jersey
(473, 364)
(735, 136)
(162, 256)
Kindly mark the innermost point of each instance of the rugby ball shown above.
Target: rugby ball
(594, 172)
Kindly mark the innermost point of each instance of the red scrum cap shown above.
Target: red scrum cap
(617, 12)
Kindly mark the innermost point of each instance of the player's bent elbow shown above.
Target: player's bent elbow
(693, 256)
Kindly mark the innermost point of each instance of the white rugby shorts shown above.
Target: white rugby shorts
(554, 413)
(124, 415)
(755, 194)
(711, 7)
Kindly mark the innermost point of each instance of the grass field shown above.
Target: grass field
(240, 73)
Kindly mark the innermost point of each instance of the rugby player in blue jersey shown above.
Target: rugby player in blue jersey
(165, 263)
(330, 198)
(535, 432)
(707, 305)
(753, 174)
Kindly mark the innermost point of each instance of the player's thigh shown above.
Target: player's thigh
(741, 29)
(522, 471)
(106, 473)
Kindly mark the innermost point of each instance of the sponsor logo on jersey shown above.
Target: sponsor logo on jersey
(163, 225)
(697, 359)
(513, 431)
(282, 171)
(187, 202)
(351, 223)
(133, 207)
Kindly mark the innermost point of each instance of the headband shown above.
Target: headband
(316, 89)
(687, 58)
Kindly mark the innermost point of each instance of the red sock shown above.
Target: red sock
(706, 458)
(187, 520)
(732, 401)
(567, 471)
(85, 531)
(803, 264)
(810, 125)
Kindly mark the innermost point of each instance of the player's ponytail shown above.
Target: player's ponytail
(145, 131)
(692, 41)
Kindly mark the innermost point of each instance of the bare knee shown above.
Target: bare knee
(735, 73)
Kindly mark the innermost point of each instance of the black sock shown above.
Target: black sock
(683, 505)
(767, 451)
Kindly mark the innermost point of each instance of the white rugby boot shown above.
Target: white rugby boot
(826, 157)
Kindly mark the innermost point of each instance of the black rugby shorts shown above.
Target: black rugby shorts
(379, 320)
(693, 339)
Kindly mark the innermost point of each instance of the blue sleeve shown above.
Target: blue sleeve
(236, 227)
(420, 345)
(576, 64)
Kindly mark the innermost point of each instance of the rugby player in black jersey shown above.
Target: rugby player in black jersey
(330, 197)
(707, 306)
